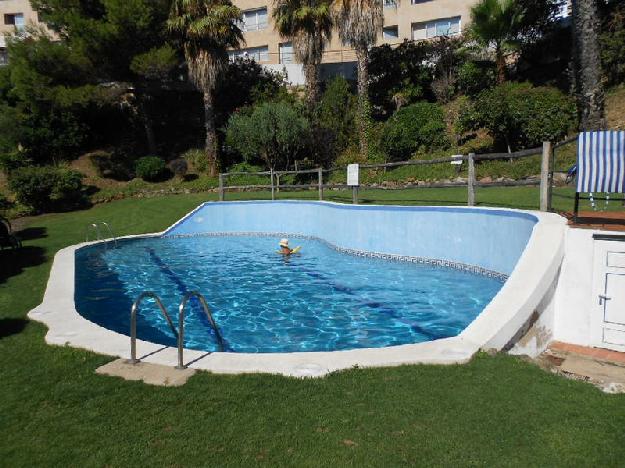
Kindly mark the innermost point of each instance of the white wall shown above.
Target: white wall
(574, 292)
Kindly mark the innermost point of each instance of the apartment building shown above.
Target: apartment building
(403, 19)
(15, 16)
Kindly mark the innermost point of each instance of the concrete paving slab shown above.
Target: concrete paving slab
(150, 373)
(608, 376)
(596, 370)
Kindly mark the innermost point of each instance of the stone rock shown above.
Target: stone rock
(486, 180)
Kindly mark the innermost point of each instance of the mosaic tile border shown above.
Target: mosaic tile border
(359, 253)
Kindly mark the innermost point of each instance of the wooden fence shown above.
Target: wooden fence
(545, 181)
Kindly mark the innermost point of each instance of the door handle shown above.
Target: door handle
(603, 298)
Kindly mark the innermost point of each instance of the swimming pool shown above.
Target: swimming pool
(374, 286)
(263, 302)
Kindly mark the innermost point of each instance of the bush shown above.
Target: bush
(5, 204)
(475, 77)
(274, 132)
(519, 115)
(45, 188)
(117, 166)
(419, 126)
(336, 113)
(178, 167)
(150, 168)
(196, 160)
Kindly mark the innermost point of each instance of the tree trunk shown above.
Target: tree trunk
(210, 147)
(588, 85)
(500, 61)
(311, 72)
(362, 56)
(147, 125)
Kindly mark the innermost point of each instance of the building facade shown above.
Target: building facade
(15, 16)
(403, 19)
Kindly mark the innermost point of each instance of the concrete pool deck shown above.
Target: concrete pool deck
(527, 290)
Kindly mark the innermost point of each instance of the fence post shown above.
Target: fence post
(221, 187)
(273, 195)
(545, 184)
(320, 182)
(471, 181)
(355, 194)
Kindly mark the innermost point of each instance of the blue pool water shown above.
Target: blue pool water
(321, 300)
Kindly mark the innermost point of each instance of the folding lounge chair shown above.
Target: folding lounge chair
(600, 165)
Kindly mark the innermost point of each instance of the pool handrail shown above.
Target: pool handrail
(209, 316)
(133, 323)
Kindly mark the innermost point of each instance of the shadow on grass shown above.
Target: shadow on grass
(31, 233)
(11, 326)
(13, 262)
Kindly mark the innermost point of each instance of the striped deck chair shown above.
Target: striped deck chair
(600, 165)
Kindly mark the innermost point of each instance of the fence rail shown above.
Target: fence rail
(546, 175)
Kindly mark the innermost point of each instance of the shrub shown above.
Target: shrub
(117, 166)
(274, 132)
(519, 115)
(5, 203)
(196, 160)
(12, 160)
(419, 126)
(336, 112)
(150, 168)
(475, 77)
(178, 167)
(45, 188)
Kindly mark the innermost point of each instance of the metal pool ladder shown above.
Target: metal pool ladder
(133, 322)
(95, 227)
(178, 333)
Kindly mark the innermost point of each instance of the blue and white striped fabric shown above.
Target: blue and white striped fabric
(601, 162)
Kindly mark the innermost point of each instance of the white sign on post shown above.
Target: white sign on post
(457, 159)
(352, 175)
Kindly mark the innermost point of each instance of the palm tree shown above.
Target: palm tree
(496, 23)
(308, 25)
(206, 29)
(588, 65)
(359, 22)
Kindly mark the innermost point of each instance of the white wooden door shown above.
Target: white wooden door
(608, 314)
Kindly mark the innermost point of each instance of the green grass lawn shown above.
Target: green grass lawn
(495, 411)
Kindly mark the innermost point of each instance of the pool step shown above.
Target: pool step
(149, 373)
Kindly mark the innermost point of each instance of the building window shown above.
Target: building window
(440, 27)
(389, 3)
(390, 32)
(259, 54)
(15, 19)
(4, 57)
(286, 53)
(254, 20)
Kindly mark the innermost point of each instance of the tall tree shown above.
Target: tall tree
(206, 29)
(588, 85)
(359, 22)
(497, 23)
(308, 25)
